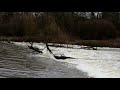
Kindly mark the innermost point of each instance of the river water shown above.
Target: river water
(18, 61)
(101, 63)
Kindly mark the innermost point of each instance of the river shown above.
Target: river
(21, 62)
(101, 63)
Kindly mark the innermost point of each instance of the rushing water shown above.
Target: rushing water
(101, 63)
(18, 61)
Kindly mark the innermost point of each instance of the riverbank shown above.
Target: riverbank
(114, 43)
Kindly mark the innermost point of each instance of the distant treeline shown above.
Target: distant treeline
(60, 26)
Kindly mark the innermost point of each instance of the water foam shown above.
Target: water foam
(101, 63)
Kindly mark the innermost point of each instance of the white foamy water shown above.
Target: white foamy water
(47, 54)
(101, 63)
